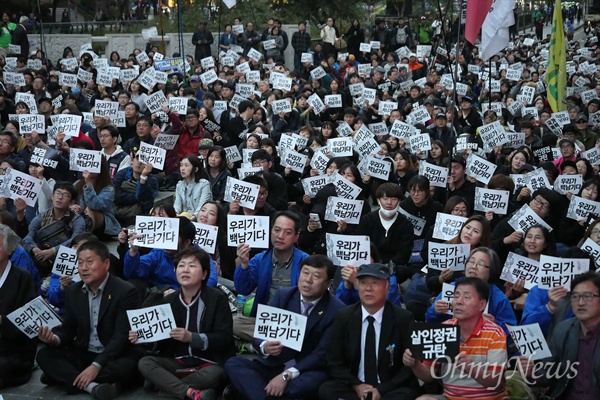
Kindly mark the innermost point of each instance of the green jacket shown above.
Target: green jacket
(5, 36)
(424, 33)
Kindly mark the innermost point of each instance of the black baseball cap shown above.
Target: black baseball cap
(379, 271)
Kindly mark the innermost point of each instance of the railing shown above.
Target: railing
(97, 27)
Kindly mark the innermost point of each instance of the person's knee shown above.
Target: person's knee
(146, 363)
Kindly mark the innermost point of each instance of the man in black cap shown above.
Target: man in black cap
(381, 331)
(440, 130)
(467, 116)
(582, 133)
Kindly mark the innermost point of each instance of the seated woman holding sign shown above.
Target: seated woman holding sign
(193, 190)
(96, 196)
(189, 365)
(485, 265)
(17, 351)
(572, 230)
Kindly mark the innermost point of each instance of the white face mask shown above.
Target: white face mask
(387, 213)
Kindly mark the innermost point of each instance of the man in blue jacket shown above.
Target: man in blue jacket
(277, 267)
(156, 269)
(283, 372)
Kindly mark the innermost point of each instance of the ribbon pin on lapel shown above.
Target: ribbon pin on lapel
(391, 348)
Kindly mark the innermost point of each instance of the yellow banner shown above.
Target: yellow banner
(556, 73)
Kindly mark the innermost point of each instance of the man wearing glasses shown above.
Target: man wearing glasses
(191, 135)
(39, 242)
(574, 345)
(277, 196)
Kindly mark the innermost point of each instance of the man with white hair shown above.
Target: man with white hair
(19, 37)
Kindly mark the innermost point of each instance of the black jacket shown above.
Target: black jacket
(394, 244)
(428, 212)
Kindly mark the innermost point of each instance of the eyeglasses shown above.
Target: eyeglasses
(259, 163)
(142, 125)
(191, 118)
(62, 195)
(104, 136)
(457, 210)
(263, 195)
(4, 141)
(595, 232)
(587, 297)
(545, 206)
(480, 265)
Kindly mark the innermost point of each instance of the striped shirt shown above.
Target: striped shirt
(486, 346)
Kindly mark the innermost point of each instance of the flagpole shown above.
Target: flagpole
(162, 29)
(490, 84)
(181, 45)
(219, 29)
(455, 72)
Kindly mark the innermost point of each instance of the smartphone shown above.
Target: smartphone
(368, 396)
(315, 217)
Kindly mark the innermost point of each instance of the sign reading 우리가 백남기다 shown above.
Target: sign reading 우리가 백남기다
(29, 123)
(15, 184)
(156, 232)
(492, 200)
(65, 263)
(447, 226)
(346, 250)
(206, 236)
(555, 271)
(530, 341)
(518, 267)
(103, 108)
(281, 325)
(593, 249)
(250, 229)
(418, 223)
(568, 184)
(82, 160)
(345, 188)
(152, 154)
(32, 316)
(243, 192)
(69, 124)
(437, 175)
(580, 208)
(480, 169)
(295, 161)
(155, 101)
(492, 135)
(524, 218)
(434, 341)
(152, 323)
(166, 141)
(341, 209)
(453, 256)
(313, 184)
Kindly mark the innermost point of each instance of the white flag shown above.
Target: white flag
(494, 32)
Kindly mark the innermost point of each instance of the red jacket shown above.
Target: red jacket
(188, 143)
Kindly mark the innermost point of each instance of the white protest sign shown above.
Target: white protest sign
(85, 160)
(69, 80)
(592, 155)
(518, 267)
(344, 188)
(365, 47)
(150, 33)
(448, 295)
(453, 256)
(536, 179)
(346, 250)
(386, 107)
(245, 172)
(524, 218)
(580, 208)
(156, 232)
(492, 200)
(313, 184)
(68, 123)
(568, 184)
(15, 184)
(557, 272)
(318, 73)
(152, 323)
(340, 147)
(252, 230)
(32, 316)
(294, 160)
(447, 226)
(341, 209)
(245, 193)
(480, 169)
(104, 108)
(402, 130)
(437, 175)
(276, 324)
(232, 154)
(178, 105)
(28, 99)
(417, 222)
(530, 341)
(378, 168)
(65, 263)
(317, 104)
(379, 129)
(593, 249)
(155, 101)
(165, 141)
(420, 142)
(333, 100)
(492, 135)
(281, 106)
(153, 155)
(29, 123)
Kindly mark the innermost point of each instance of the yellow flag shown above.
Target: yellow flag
(556, 73)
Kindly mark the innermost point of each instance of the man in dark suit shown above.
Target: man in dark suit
(91, 351)
(367, 343)
(234, 124)
(19, 37)
(283, 372)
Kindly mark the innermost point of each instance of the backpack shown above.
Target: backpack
(401, 35)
